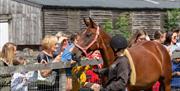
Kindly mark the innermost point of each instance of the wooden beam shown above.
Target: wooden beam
(34, 67)
(5, 17)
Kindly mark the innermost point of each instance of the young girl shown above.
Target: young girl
(6, 59)
(19, 81)
(66, 48)
(139, 36)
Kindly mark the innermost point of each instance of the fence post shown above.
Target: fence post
(62, 80)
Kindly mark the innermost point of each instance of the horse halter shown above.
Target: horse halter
(87, 47)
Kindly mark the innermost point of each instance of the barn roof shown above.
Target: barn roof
(119, 4)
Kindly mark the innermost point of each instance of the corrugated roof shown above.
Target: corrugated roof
(129, 4)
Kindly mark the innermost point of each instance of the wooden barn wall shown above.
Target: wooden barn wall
(54, 21)
(65, 20)
(101, 15)
(72, 20)
(25, 22)
(150, 21)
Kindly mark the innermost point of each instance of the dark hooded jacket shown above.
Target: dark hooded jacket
(118, 75)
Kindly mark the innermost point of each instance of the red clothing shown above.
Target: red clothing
(92, 77)
(156, 86)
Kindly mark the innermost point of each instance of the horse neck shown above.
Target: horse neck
(106, 51)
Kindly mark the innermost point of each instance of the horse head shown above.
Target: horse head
(91, 39)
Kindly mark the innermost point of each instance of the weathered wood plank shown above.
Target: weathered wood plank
(55, 20)
(150, 21)
(58, 65)
(73, 20)
(25, 22)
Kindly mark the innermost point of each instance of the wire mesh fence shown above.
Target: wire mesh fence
(60, 84)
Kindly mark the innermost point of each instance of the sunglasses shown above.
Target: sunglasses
(142, 38)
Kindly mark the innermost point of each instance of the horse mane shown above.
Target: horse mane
(103, 33)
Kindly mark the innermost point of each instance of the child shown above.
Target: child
(19, 81)
(175, 82)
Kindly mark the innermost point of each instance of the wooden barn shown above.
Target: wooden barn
(25, 22)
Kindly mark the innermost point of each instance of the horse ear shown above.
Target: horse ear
(86, 22)
(92, 23)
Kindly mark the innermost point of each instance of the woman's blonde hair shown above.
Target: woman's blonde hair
(8, 51)
(48, 42)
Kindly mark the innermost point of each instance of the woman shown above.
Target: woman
(6, 59)
(139, 36)
(46, 56)
(170, 42)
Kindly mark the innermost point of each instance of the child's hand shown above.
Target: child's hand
(24, 80)
(95, 87)
(73, 62)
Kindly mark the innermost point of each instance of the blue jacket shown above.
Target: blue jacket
(67, 55)
(175, 82)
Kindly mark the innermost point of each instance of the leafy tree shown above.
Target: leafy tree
(108, 26)
(172, 19)
(121, 26)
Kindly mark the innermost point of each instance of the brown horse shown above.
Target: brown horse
(151, 60)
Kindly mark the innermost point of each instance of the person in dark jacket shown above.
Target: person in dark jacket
(119, 72)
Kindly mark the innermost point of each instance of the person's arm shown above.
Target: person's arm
(4, 81)
(45, 72)
(20, 85)
(177, 73)
(18, 81)
(123, 71)
(4, 78)
(102, 72)
(42, 58)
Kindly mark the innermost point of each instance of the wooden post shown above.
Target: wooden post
(62, 80)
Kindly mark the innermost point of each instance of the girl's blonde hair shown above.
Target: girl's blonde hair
(48, 42)
(8, 52)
